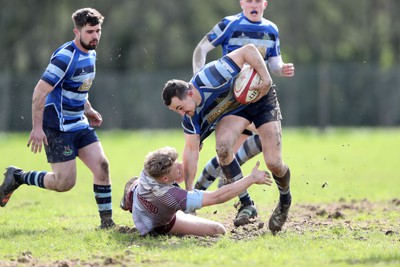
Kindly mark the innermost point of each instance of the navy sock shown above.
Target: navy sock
(250, 148)
(209, 174)
(102, 194)
(233, 173)
(283, 184)
(35, 178)
(246, 200)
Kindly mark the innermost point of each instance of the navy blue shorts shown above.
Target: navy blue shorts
(64, 146)
(264, 110)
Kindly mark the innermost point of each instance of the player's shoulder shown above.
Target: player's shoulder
(64, 52)
(67, 48)
(231, 18)
(267, 22)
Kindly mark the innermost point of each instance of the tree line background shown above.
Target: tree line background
(346, 55)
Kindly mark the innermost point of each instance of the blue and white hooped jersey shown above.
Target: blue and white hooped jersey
(214, 82)
(236, 31)
(71, 72)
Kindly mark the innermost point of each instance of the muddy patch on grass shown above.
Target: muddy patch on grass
(302, 218)
(311, 217)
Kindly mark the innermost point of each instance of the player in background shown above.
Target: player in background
(62, 120)
(232, 32)
(156, 201)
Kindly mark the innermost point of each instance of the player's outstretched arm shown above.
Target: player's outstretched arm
(230, 191)
(200, 54)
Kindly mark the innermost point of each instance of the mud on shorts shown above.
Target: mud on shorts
(64, 146)
(264, 110)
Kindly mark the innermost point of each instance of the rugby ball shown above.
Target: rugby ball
(246, 79)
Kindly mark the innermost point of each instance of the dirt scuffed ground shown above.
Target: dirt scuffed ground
(302, 218)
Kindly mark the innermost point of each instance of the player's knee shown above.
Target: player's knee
(219, 229)
(62, 181)
(275, 166)
(224, 150)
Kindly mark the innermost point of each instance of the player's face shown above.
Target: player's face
(176, 173)
(183, 107)
(89, 36)
(253, 9)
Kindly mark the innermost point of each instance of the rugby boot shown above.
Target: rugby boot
(106, 221)
(107, 224)
(10, 184)
(126, 201)
(245, 213)
(279, 217)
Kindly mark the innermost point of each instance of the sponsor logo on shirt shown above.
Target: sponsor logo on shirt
(219, 111)
(149, 207)
(50, 74)
(85, 85)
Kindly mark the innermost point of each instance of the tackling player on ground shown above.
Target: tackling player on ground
(156, 201)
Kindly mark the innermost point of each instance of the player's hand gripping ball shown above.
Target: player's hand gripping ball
(246, 79)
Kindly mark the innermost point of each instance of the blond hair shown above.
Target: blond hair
(159, 163)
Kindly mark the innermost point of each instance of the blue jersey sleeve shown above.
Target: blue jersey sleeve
(221, 32)
(194, 200)
(59, 63)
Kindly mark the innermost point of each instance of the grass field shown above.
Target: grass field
(345, 212)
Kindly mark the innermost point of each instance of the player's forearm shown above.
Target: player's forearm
(88, 109)
(227, 192)
(253, 57)
(190, 168)
(38, 102)
(200, 54)
(87, 105)
(199, 59)
(277, 71)
(189, 178)
(279, 68)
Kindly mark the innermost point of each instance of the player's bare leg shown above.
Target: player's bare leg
(62, 179)
(271, 139)
(227, 132)
(187, 224)
(94, 158)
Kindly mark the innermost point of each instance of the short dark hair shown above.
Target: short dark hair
(87, 15)
(172, 88)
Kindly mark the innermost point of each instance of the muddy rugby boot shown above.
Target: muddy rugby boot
(279, 217)
(106, 224)
(245, 213)
(10, 184)
(126, 201)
